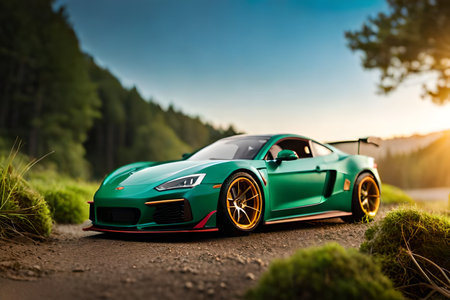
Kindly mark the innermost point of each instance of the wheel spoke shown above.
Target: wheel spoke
(253, 208)
(239, 189)
(245, 213)
(240, 195)
(234, 213)
(365, 203)
(252, 197)
(233, 192)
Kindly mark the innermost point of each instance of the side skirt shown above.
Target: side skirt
(93, 228)
(326, 215)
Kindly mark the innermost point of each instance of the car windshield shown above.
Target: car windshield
(231, 148)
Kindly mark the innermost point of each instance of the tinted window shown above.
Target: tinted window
(320, 150)
(231, 148)
(301, 147)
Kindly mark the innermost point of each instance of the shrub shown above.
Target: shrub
(427, 237)
(328, 272)
(66, 197)
(394, 195)
(22, 209)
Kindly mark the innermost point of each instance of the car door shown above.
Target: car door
(295, 183)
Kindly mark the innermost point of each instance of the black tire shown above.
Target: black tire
(365, 199)
(232, 208)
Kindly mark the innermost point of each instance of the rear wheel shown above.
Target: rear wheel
(365, 199)
(240, 204)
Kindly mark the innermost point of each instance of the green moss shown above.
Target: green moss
(328, 272)
(427, 235)
(394, 195)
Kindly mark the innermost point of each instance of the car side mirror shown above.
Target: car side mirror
(185, 155)
(286, 155)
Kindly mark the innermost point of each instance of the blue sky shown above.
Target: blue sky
(263, 66)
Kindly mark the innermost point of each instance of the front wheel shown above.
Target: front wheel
(365, 199)
(240, 204)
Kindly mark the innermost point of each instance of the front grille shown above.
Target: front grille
(175, 212)
(118, 215)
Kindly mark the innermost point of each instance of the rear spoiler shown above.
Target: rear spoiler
(367, 140)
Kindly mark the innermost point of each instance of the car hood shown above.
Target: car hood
(157, 174)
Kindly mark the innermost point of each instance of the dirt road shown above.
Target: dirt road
(73, 264)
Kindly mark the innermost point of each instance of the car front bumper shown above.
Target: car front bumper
(184, 210)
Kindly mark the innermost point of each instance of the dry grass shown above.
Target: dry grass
(23, 211)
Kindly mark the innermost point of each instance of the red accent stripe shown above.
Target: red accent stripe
(264, 180)
(90, 202)
(203, 222)
(93, 228)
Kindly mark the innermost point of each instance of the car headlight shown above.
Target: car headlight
(181, 183)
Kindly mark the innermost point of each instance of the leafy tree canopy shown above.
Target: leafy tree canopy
(413, 37)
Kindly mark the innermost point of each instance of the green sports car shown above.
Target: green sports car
(237, 184)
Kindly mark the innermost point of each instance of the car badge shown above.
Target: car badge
(119, 188)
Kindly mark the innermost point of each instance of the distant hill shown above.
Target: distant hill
(423, 168)
(134, 129)
(418, 161)
(395, 145)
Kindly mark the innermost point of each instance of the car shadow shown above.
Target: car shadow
(199, 237)
(169, 237)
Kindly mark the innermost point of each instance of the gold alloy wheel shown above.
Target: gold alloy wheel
(244, 203)
(369, 196)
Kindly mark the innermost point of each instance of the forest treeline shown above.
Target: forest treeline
(56, 98)
(424, 168)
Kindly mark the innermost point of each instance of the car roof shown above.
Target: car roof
(268, 136)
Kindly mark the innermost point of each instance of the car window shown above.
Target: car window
(245, 147)
(320, 150)
(273, 152)
(301, 147)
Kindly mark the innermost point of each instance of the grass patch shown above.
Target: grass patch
(328, 272)
(394, 195)
(413, 249)
(23, 211)
(66, 197)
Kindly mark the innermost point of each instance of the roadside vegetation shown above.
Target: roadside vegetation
(66, 197)
(23, 211)
(407, 250)
(327, 272)
(393, 195)
(31, 200)
(412, 247)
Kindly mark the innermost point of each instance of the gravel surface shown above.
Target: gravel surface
(73, 264)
